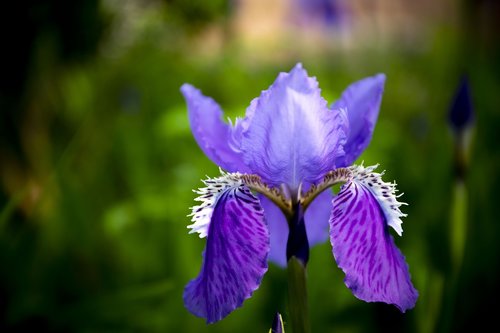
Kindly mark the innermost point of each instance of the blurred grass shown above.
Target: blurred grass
(98, 163)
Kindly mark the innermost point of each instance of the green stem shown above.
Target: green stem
(458, 225)
(298, 314)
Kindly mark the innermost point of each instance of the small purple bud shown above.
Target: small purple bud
(461, 115)
(326, 12)
(277, 324)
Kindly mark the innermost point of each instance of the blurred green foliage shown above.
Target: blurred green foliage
(97, 164)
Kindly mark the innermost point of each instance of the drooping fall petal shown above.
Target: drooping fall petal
(235, 256)
(375, 269)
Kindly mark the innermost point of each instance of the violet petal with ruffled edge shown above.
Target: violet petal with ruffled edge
(213, 135)
(293, 136)
(375, 269)
(362, 100)
(235, 256)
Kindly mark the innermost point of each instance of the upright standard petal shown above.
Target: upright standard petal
(215, 138)
(362, 100)
(235, 256)
(375, 269)
(293, 137)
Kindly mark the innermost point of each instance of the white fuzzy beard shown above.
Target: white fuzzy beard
(208, 195)
(384, 192)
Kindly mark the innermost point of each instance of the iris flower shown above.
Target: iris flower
(325, 12)
(273, 199)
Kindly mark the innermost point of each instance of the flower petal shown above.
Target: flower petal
(278, 231)
(218, 140)
(317, 217)
(375, 269)
(316, 220)
(293, 137)
(235, 256)
(362, 100)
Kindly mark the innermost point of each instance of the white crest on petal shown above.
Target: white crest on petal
(384, 192)
(208, 195)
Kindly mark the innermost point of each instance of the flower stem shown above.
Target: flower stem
(297, 254)
(298, 312)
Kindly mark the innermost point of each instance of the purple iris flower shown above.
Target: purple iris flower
(274, 199)
(326, 12)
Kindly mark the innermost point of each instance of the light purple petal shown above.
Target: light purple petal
(278, 231)
(362, 100)
(218, 140)
(317, 217)
(375, 269)
(316, 220)
(235, 256)
(293, 137)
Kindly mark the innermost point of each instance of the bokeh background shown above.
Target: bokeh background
(97, 161)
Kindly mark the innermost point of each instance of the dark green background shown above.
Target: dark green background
(97, 164)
